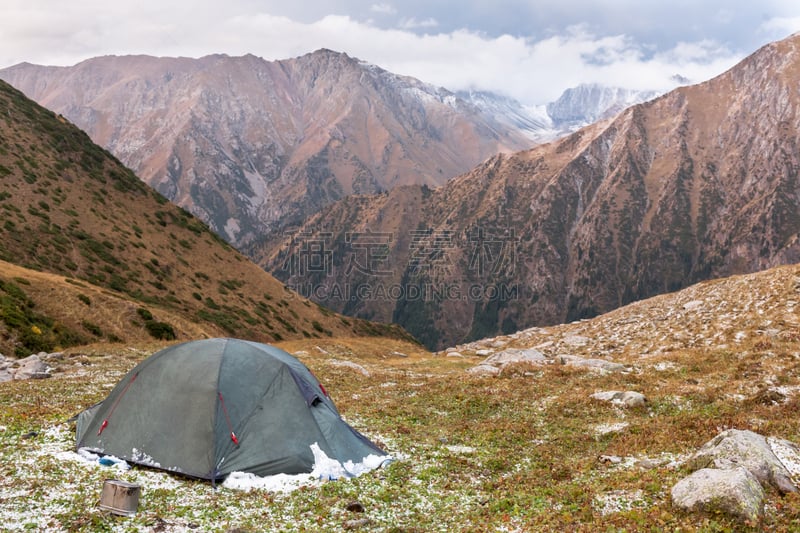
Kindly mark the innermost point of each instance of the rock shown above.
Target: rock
(576, 340)
(600, 365)
(737, 448)
(454, 354)
(484, 352)
(691, 306)
(349, 364)
(356, 524)
(512, 355)
(484, 370)
(399, 354)
(355, 507)
(31, 367)
(621, 399)
(498, 344)
(735, 492)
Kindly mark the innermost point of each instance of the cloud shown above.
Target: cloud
(781, 25)
(534, 70)
(383, 9)
(412, 23)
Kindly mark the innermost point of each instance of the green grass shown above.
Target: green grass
(515, 452)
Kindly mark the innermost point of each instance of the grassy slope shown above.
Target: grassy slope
(69, 208)
(520, 451)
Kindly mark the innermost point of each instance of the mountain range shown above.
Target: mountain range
(699, 183)
(251, 146)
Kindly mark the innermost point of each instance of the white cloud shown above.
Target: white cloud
(384, 9)
(533, 70)
(412, 23)
(781, 25)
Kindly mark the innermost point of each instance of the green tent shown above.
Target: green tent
(211, 407)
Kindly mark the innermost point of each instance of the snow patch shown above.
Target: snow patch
(325, 469)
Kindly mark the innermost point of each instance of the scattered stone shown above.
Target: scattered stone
(484, 352)
(600, 365)
(484, 370)
(460, 449)
(735, 492)
(576, 340)
(454, 354)
(349, 364)
(610, 459)
(621, 399)
(399, 354)
(605, 429)
(691, 306)
(741, 448)
(31, 367)
(356, 524)
(355, 507)
(513, 355)
(769, 396)
(648, 464)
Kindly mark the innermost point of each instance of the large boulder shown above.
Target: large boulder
(31, 367)
(734, 492)
(741, 448)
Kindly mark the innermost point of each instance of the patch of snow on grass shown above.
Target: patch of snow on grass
(617, 501)
(605, 429)
(788, 455)
(325, 469)
(460, 449)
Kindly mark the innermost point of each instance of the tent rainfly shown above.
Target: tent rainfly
(211, 407)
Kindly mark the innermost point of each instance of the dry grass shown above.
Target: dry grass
(524, 451)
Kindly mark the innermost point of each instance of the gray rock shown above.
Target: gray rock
(621, 398)
(31, 367)
(484, 353)
(454, 354)
(600, 365)
(513, 355)
(484, 370)
(5, 375)
(691, 306)
(356, 524)
(734, 492)
(576, 340)
(737, 448)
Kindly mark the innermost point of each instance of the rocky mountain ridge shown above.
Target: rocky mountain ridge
(250, 146)
(699, 183)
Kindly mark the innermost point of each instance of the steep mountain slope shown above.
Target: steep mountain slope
(699, 183)
(249, 145)
(70, 208)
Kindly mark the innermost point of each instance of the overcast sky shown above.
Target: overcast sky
(530, 50)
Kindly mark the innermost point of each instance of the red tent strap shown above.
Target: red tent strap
(116, 403)
(228, 419)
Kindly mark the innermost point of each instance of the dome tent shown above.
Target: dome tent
(211, 407)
